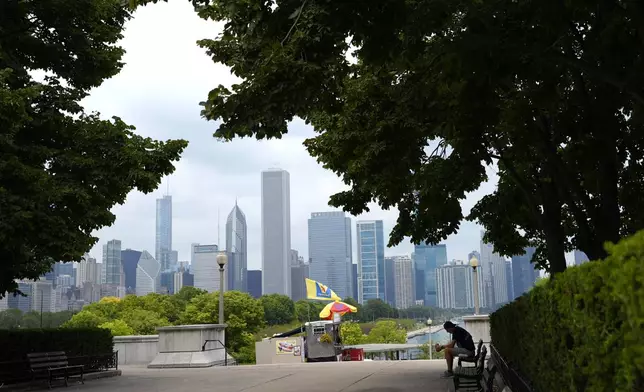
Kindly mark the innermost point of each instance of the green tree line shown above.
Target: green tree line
(246, 317)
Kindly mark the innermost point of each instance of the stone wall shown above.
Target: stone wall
(478, 326)
(136, 350)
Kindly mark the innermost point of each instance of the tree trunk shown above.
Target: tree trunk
(553, 229)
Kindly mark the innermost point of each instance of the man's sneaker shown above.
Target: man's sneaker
(447, 374)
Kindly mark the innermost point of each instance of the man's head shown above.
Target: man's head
(449, 326)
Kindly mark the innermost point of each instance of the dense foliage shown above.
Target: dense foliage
(14, 318)
(583, 330)
(384, 331)
(61, 169)
(549, 93)
(16, 343)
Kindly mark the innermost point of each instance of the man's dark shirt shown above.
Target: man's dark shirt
(463, 339)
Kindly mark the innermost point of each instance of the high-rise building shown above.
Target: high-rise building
(148, 274)
(163, 240)
(205, 268)
(130, 260)
(276, 232)
(112, 266)
(299, 272)
(580, 257)
(493, 269)
(371, 260)
(354, 284)
(509, 280)
(255, 283)
(419, 277)
(330, 250)
(403, 286)
(43, 296)
(523, 273)
(390, 281)
(237, 249)
(18, 301)
(429, 257)
(88, 271)
(455, 286)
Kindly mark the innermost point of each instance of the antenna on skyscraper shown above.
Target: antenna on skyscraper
(218, 243)
(167, 190)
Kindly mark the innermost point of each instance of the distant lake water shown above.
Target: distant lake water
(441, 336)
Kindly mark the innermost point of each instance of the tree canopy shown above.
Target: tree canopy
(412, 100)
(62, 169)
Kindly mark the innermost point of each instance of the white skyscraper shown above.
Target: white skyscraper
(148, 272)
(330, 251)
(276, 232)
(403, 282)
(455, 285)
(205, 268)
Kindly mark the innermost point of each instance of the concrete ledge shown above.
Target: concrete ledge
(191, 327)
(136, 339)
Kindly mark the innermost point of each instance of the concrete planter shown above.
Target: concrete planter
(181, 346)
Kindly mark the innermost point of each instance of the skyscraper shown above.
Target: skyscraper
(354, 281)
(493, 268)
(299, 272)
(390, 280)
(371, 260)
(237, 249)
(330, 251)
(148, 274)
(130, 260)
(429, 257)
(455, 286)
(205, 268)
(254, 279)
(112, 265)
(276, 232)
(404, 297)
(523, 273)
(163, 242)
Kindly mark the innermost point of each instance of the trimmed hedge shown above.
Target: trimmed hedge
(17, 343)
(583, 330)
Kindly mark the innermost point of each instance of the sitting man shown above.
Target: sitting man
(463, 342)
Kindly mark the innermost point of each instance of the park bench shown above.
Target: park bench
(471, 359)
(475, 378)
(54, 366)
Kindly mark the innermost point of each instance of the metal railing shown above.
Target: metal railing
(510, 376)
(223, 346)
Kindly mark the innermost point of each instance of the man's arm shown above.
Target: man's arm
(440, 347)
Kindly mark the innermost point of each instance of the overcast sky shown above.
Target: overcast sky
(165, 77)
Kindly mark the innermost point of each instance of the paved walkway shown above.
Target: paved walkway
(368, 376)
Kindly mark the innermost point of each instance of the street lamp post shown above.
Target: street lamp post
(222, 259)
(429, 325)
(474, 262)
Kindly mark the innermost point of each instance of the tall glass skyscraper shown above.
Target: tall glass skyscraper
(371, 260)
(276, 232)
(112, 266)
(330, 251)
(237, 249)
(163, 241)
(427, 258)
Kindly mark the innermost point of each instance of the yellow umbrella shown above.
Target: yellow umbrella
(336, 307)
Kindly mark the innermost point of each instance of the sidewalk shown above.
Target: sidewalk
(368, 376)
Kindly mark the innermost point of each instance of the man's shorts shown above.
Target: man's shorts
(462, 351)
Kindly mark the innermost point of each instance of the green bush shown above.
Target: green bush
(583, 330)
(17, 343)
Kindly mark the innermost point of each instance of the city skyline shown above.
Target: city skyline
(212, 174)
